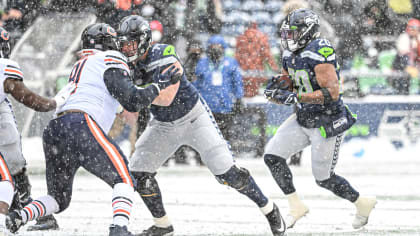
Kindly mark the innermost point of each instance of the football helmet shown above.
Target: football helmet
(135, 28)
(100, 36)
(4, 43)
(299, 28)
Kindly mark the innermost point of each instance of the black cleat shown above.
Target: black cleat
(116, 230)
(158, 231)
(14, 221)
(277, 224)
(45, 223)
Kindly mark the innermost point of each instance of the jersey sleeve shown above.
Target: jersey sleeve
(319, 51)
(165, 57)
(12, 71)
(115, 59)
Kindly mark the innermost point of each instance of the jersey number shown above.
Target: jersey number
(77, 71)
(301, 80)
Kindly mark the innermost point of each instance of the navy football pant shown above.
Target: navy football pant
(75, 140)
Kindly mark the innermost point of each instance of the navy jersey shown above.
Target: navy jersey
(161, 56)
(301, 67)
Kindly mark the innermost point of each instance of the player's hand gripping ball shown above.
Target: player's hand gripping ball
(281, 81)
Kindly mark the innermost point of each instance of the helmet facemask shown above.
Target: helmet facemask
(5, 50)
(4, 43)
(297, 33)
(135, 29)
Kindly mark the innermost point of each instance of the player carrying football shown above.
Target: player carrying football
(320, 120)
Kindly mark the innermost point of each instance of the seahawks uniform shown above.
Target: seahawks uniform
(10, 142)
(319, 125)
(78, 136)
(186, 121)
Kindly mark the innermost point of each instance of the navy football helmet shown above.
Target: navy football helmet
(135, 28)
(299, 28)
(4, 43)
(100, 36)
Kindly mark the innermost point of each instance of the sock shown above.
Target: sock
(253, 192)
(6, 192)
(267, 208)
(280, 172)
(294, 200)
(162, 222)
(42, 206)
(122, 203)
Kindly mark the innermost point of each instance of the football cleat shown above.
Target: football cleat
(116, 230)
(4, 231)
(158, 231)
(277, 224)
(364, 207)
(297, 210)
(14, 221)
(45, 223)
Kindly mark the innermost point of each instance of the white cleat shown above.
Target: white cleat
(364, 207)
(297, 210)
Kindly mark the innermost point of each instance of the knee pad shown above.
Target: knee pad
(272, 160)
(329, 183)
(235, 177)
(146, 183)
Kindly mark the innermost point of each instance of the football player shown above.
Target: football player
(320, 120)
(13, 177)
(180, 117)
(77, 137)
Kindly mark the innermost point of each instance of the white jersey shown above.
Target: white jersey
(91, 94)
(8, 69)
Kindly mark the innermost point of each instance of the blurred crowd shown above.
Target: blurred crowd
(230, 48)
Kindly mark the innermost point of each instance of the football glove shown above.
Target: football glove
(281, 96)
(274, 83)
(168, 78)
(64, 94)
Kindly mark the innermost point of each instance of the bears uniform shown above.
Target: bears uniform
(10, 143)
(185, 120)
(13, 162)
(77, 137)
(320, 119)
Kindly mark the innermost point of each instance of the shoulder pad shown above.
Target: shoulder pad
(12, 69)
(319, 50)
(115, 57)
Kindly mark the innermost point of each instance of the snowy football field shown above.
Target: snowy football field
(198, 205)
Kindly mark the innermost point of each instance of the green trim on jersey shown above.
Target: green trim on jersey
(326, 51)
(323, 132)
(169, 50)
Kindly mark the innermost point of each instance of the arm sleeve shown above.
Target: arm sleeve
(122, 88)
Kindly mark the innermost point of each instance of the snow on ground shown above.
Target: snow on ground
(198, 205)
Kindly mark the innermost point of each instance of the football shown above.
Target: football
(287, 84)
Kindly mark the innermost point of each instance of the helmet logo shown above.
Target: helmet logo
(5, 35)
(311, 20)
(111, 31)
